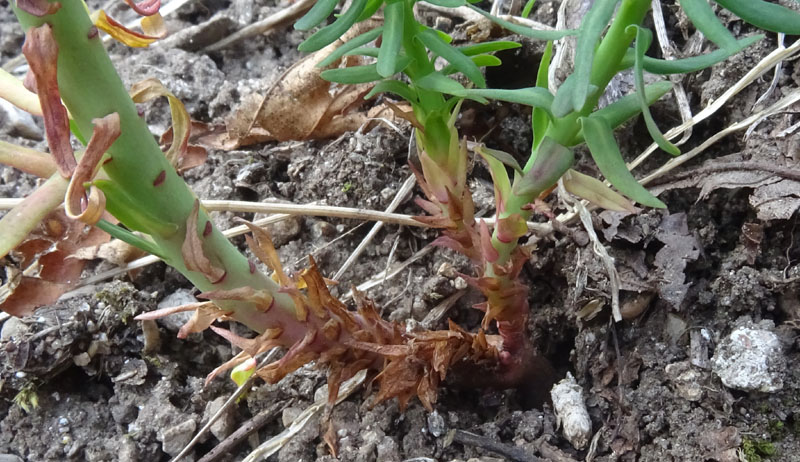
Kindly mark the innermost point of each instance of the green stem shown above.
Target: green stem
(91, 88)
(563, 130)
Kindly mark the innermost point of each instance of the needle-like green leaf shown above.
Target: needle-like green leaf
(528, 8)
(447, 3)
(488, 47)
(628, 106)
(356, 74)
(643, 37)
(351, 45)
(392, 38)
(764, 15)
(433, 42)
(318, 13)
(130, 238)
(540, 120)
(686, 65)
(535, 97)
(502, 156)
(524, 30)
(325, 36)
(606, 155)
(394, 86)
(479, 60)
(592, 27)
(704, 19)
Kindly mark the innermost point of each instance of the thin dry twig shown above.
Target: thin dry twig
(669, 52)
(273, 21)
(234, 439)
(230, 402)
(514, 453)
(275, 443)
(405, 189)
(598, 247)
(769, 61)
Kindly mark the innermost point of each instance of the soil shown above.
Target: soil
(76, 383)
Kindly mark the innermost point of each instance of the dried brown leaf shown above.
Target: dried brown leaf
(41, 51)
(49, 253)
(79, 206)
(193, 254)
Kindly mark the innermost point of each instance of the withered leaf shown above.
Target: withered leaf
(41, 51)
(193, 254)
(49, 266)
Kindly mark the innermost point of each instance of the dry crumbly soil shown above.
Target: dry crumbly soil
(692, 274)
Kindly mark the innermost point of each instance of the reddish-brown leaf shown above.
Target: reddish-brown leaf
(193, 255)
(41, 51)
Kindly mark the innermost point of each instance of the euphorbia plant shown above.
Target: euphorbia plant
(560, 121)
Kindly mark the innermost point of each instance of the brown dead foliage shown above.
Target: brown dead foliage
(344, 341)
(301, 105)
(47, 266)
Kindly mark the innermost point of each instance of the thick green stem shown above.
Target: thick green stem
(563, 130)
(91, 88)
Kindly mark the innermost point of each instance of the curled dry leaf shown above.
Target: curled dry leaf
(193, 254)
(121, 33)
(775, 181)
(79, 206)
(145, 7)
(38, 8)
(180, 154)
(48, 266)
(41, 51)
(301, 104)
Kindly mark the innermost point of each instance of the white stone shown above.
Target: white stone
(750, 359)
(571, 413)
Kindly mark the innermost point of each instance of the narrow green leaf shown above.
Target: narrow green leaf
(643, 37)
(540, 120)
(479, 60)
(623, 109)
(535, 97)
(592, 27)
(130, 238)
(400, 89)
(370, 10)
(325, 36)
(502, 156)
(596, 192)
(433, 42)
(764, 15)
(562, 102)
(447, 3)
(372, 52)
(352, 75)
(528, 8)
(606, 155)
(392, 38)
(131, 213)
(488, 47)
(686, 65)
(704, 19)
(351, 45)
(524, 30)
(318, 13)
(502, 185)
(552, 160)
(436, 81)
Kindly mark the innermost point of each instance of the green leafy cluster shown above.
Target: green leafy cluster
(569, 116)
